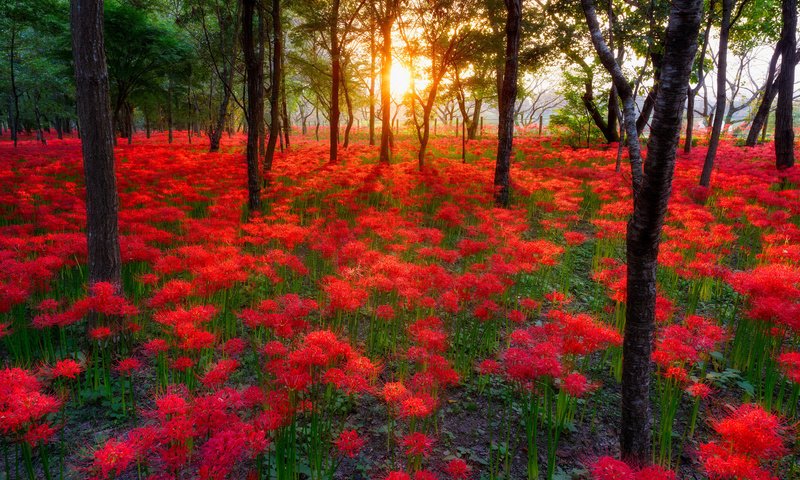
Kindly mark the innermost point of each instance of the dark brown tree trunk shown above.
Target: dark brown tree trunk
(14, 95)
(611, 135)
(254, 66)
(647, 107)
(719, 114)
(644, 229)
(770, 91)
(784, 129)
(94, 114)
(508, 96)
(336, 72)
(350, 116)
(169, 111)
(285, 119)
(372, 57)
(275, 90)
(701, 77)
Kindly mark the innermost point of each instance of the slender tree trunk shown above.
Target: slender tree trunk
(350, 116)
(784, 129)
(770, 91)
(285, 119)
(254, 66)
(14, 95)
(386, 92)
(622, 88)
(644, 229)
(169, 111)
(508, 96)
(687, 143)
(719, 114)
(91, 82)
(336, 73)
(701, 77)
(372, 58)
(275, 90)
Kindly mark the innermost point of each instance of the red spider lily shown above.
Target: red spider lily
(790, 364)
(397, 475)
(607, 468)
(417, 444)
(349, 443)
(128, 365)
(749, 436)
(113, 458)
(66, 368)
(219, 373)
(458, 469)
(25, 407)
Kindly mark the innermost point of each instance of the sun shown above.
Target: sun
(400, 81)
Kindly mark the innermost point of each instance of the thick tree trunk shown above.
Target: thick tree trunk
(275, 90)
(254, 66)
(784, 129)
(336, 72)
(508, 96)
(92, 97)
(719, 114)
(644, 229)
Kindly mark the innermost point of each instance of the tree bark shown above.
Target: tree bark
(508, 96)
(623, 89)
(336, 79)
(701, 77)
(372, 58)
(254, 66)
(784, 129)
(644, 229)
(386, 79)
(719, 114)
(770, 91)
(97, 144)
(275, 91)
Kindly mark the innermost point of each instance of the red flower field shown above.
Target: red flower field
(375, 322)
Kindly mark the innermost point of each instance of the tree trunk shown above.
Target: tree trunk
(350, 116)
(687, 143)
(784, 130)
(14, 95)
(719, 114)
(92, 97)
(372, 58)
(386, 92)
(622, 88)
(644, 229)
(254, 66)
(336, 72)
(508, 96)
(770, 91)
(285, 119)
(275, 90)
(169, 111)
